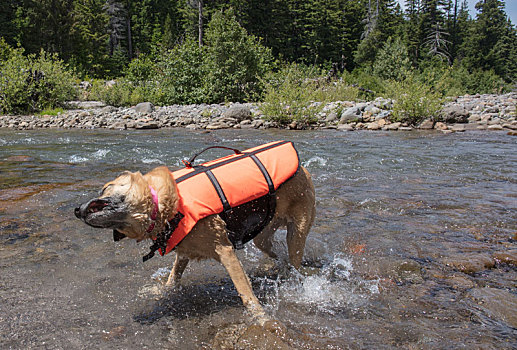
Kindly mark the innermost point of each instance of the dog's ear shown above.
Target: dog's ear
(117, 236)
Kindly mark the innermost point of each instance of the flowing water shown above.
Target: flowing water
(407, 249)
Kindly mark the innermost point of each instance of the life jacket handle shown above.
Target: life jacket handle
(188, 163)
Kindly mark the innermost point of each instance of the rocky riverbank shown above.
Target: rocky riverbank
(470, 112)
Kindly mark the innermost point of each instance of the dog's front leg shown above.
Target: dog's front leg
(177, 270)
(241, 281)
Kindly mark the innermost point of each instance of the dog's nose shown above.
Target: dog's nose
(77, 212)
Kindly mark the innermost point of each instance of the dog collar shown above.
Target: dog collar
(154, 213)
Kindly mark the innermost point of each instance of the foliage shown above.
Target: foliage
(392, 61)
(182, 73)
(414, 101)
(52, 111)
(298, 93)
(234, 61)
(32, 83)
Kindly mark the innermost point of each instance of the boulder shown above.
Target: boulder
(351, 114)
(144, 108)
(455, 114)
(238, 112)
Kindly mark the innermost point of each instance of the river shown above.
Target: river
(407, 250)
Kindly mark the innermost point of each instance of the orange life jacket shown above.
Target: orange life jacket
(239, 187)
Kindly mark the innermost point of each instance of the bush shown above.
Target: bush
(182, 74)
(298, 93)
(122, 92)
(30, 83)
(414, 101)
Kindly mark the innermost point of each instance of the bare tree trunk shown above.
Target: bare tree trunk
(129, 38)
(200, 9)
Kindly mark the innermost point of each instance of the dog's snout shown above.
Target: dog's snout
(77, 212)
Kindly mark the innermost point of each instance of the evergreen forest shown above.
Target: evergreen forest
(203, 51)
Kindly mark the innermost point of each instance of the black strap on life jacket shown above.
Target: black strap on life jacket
(246, 221)
(163, 237)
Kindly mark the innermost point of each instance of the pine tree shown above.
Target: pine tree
(384, 20)
(491, 41)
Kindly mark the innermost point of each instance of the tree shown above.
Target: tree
(235, 60)
(492, 41)
(383, 20)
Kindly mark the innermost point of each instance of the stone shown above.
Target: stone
(474, 118)
(144, 108)
(145, 124)
(350, 115)
(372, 109)
(238, 112)
(495, 127)
(471, 263)
(393, 126)
(440, 126)
(454, 114)
(508, 257)
(256, 337)
(427, 124)
(107, 109)
(331, 117)
(405, 128)
(345, 127)
(373, 126)
(217, 126)
(118, 125)
(510, 126)
(86, 104)
(458, 127)
(499, 304)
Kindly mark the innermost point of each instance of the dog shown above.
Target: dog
(141, 206)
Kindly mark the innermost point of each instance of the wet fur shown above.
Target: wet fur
(208, 239)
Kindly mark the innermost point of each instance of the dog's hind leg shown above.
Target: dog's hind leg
(177, 270)
(297, 231)
(241, 281)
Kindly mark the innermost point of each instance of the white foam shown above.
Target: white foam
(77, 159)
(332, 287)
(316, 160)
(101, 153)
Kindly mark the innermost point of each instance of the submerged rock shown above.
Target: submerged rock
(471, 263)
(499, 304)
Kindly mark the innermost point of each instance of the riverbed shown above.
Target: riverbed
(414, 245)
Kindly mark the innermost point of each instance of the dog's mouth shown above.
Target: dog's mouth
(96, 206)
(106, 212)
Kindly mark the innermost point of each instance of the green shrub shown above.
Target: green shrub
(414, 101)
(122, 92)
(182, 73)
(298, 93)
(30, 83)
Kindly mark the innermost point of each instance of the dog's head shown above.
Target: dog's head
(123, 205)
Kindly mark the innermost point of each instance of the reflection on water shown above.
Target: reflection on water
(414, 245)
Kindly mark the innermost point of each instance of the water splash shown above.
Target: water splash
(317, 161)
(334, 286)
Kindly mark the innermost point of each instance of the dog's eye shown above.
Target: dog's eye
(104, 189)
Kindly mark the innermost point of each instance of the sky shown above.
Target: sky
(510, 8)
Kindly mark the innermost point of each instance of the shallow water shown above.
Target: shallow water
(401, 254)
